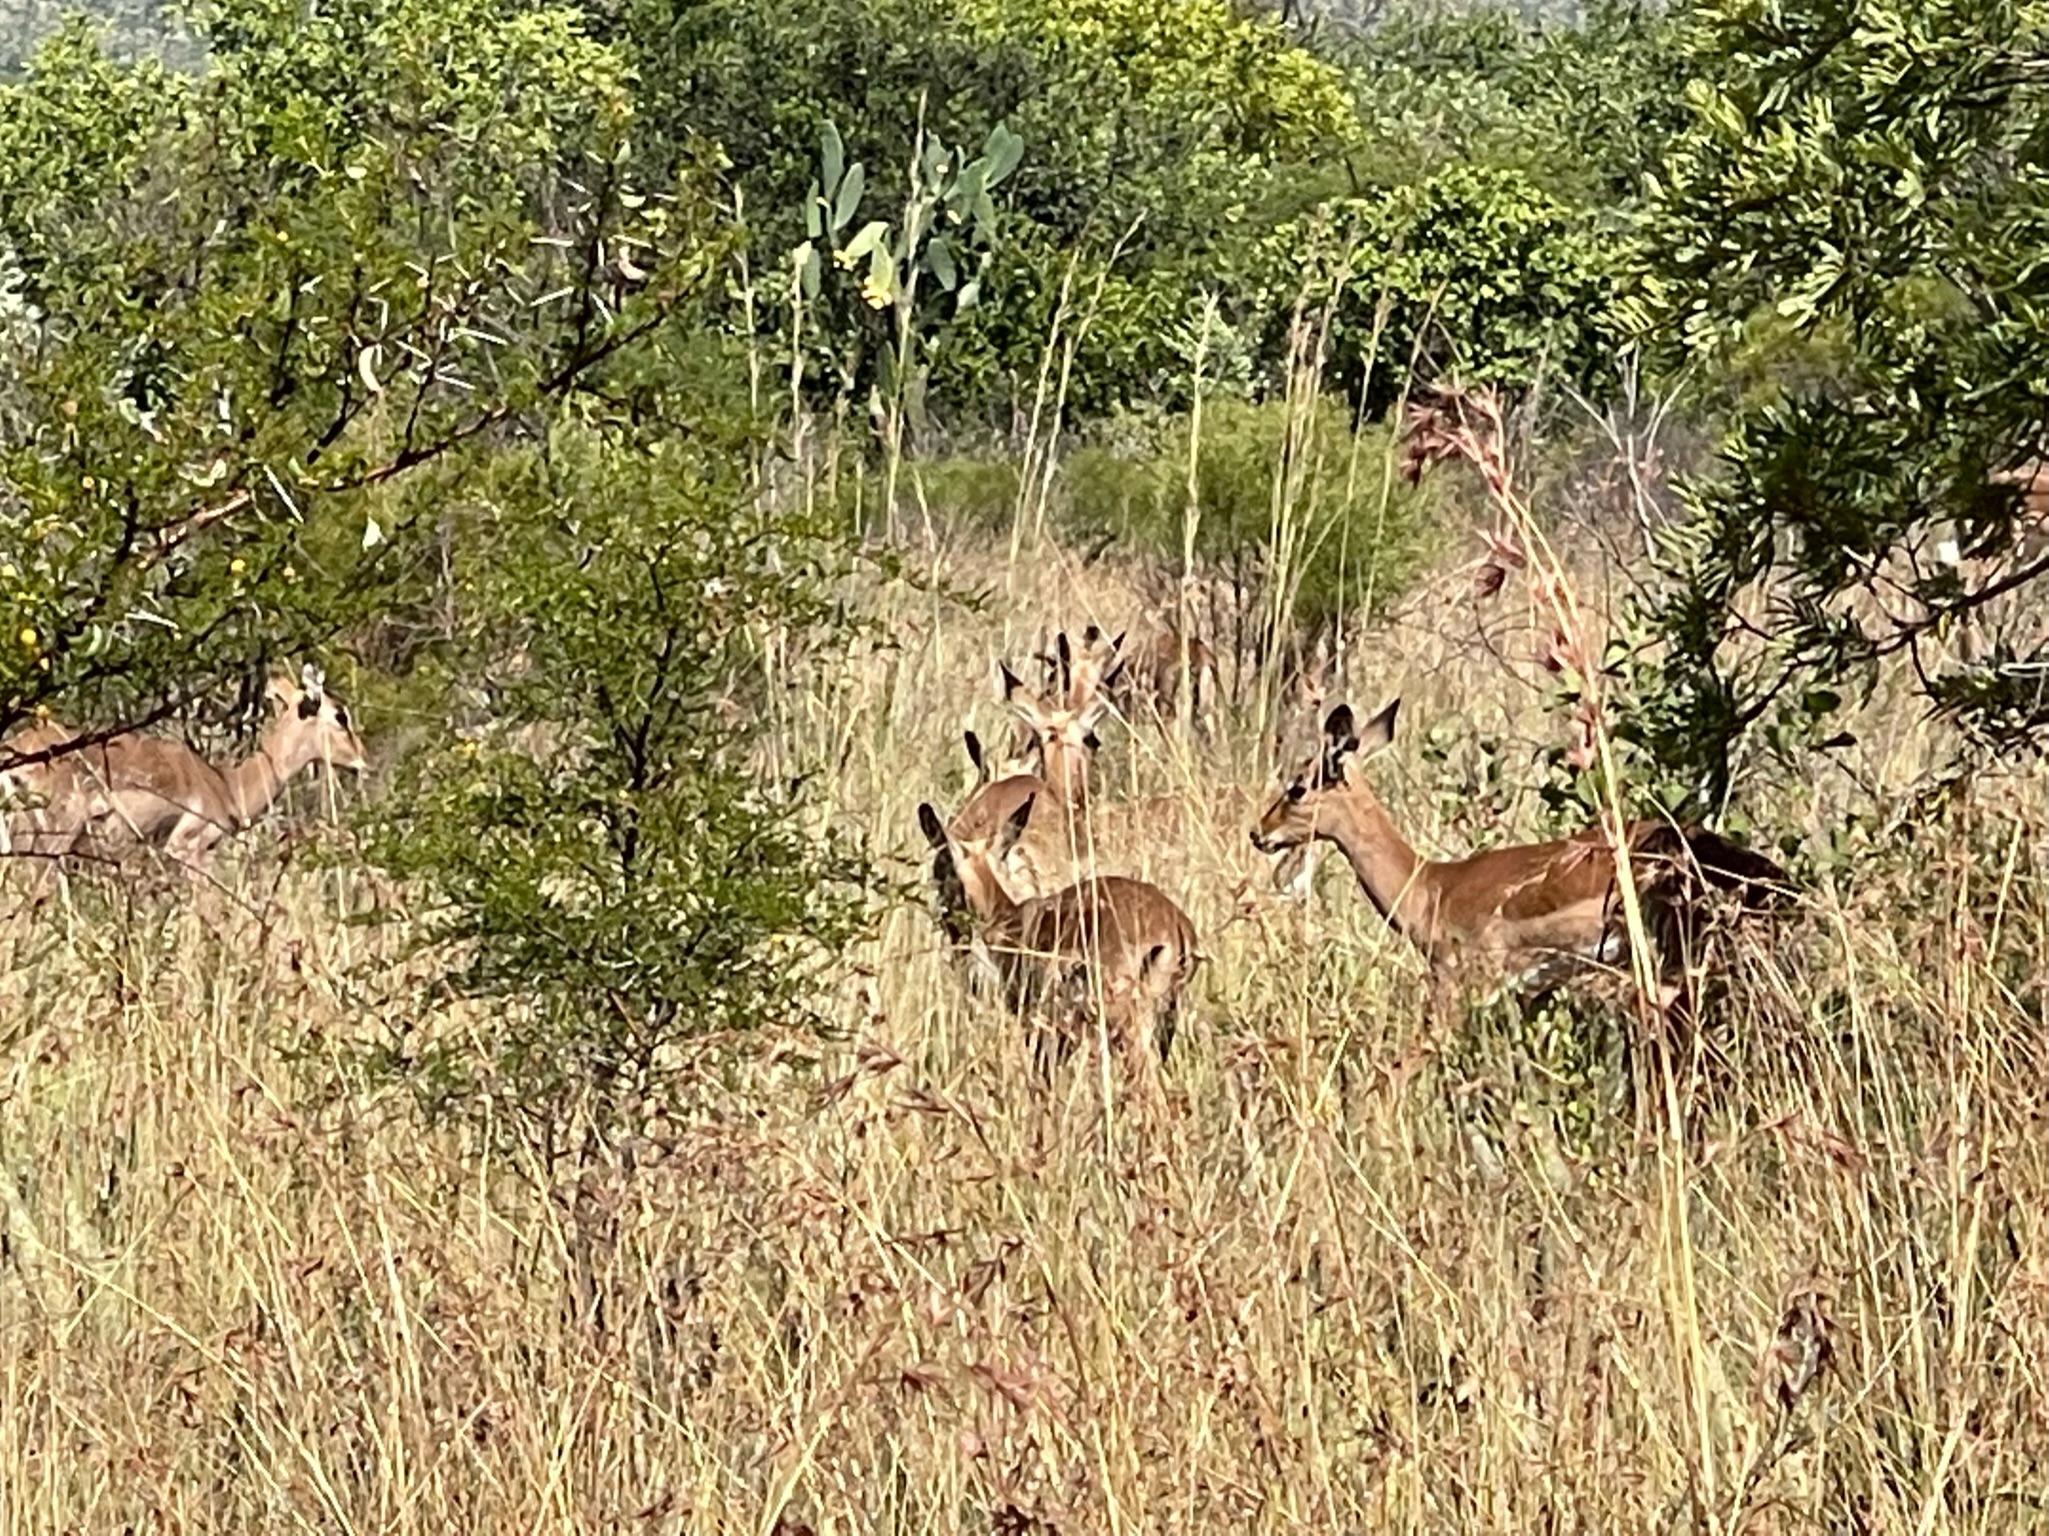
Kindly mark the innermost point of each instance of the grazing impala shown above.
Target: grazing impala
(138, 789)
(1537, 912)
(1109, 940)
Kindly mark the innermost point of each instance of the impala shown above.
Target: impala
(1148, 676)
(1058, 841)
(1538, 913)
(140, 789)
(1107, 940)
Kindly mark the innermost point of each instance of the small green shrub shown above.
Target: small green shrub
(1304, 518)
(1475, 271)
(603, 863)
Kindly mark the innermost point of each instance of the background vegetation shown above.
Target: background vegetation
(657, 417)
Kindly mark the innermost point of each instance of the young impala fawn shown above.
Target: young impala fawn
(135, 789)
(1537, 913)
(1106, 940)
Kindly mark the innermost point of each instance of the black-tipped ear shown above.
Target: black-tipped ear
(930, 824)
(1014, 824)
(309, 705)
(1379, 731)
(1065, 652)
(1337, 725)
(974, 746)
(1011, 684)
(1117, 645)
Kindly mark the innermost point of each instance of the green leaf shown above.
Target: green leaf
(872, 235)
(882, 274)
(814, 214)
(849, 196)
(832, 155)
(939, 257)
(1003, 152)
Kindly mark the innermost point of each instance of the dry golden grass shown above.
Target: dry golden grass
(1362, 1271)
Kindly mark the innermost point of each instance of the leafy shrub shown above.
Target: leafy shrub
(1172, 135)
(1302, 518)
(279, 312)
(1474, 271)
(1858, 205)
(602, 863)
(1584, 107)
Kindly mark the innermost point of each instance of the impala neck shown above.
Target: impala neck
(1380, 856)
(995, 909)
(1067, 775)
(260, 777)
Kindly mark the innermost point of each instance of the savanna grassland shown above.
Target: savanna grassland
(633, 433)
(1357, 1271)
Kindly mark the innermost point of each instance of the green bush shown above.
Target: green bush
(1174, 136)
(602, 864)
(1305, 520)
(1475, 272)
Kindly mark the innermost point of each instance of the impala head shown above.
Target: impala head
(1300, 812)
(964, 868)
(1088, 670)
(313, 726)
(1064, 736)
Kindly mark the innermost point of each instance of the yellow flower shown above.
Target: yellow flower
(290, 573)
(237, 566)
(28, 637)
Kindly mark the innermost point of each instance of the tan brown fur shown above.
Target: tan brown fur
(1107, 941)
(1536, 913)
(137, 789)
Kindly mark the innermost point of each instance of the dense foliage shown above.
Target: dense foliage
(374, 339)
(1856, 218)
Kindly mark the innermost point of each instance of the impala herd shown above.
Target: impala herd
(1020, 897)
(1023, 904)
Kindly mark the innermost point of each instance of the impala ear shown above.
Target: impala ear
(1022, 701)
(1065, 653)
(1340, 741)
(1379, 731)
(974, 746)
(1014, 825)
(930, 824)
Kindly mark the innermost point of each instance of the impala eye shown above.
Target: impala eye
(1091, 742)
(341, 717)
(1296, 791)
